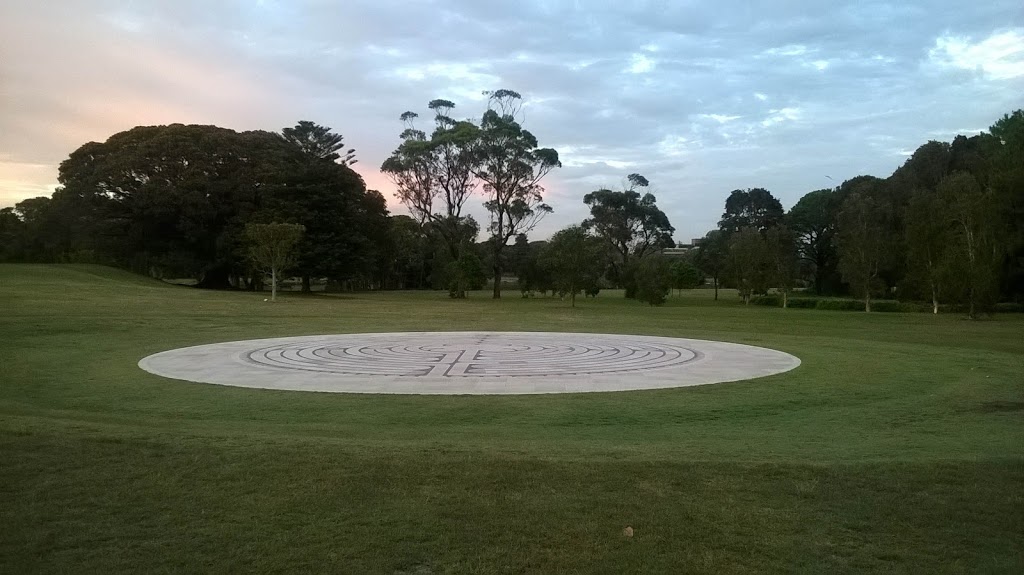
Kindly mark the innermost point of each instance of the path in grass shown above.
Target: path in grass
(897, 445)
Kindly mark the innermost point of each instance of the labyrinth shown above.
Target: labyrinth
(468, 363)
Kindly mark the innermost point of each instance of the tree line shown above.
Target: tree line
(182, 200)
(946, 227)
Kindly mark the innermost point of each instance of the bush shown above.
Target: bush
(1009, 307)
(652, 280)
(880, 305)
(769, 300)
(802, 302)
(886, 306)
(840, 305)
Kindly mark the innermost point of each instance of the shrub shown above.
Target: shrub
(769, 300)
(803, 302)
(841, 305)
(887, 306)
(1009, 307)
(652, 280)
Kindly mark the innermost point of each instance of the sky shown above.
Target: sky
(699, 97)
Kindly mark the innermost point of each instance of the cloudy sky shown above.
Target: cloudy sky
(700, 97)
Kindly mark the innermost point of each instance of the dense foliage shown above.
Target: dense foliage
(173, 201)
(946, 227)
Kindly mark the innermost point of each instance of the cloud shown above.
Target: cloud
(640, 64)
(999, 56)
(720, 118)
(781, 115)
(790, 50)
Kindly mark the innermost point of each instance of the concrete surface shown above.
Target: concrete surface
(468, 363)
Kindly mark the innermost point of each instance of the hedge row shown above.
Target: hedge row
(883, 305)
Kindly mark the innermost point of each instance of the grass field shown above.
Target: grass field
(897, 446)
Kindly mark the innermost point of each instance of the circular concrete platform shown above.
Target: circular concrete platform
(468, 362)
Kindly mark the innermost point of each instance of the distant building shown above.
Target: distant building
(681, 248)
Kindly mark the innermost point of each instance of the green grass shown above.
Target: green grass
(897, 446)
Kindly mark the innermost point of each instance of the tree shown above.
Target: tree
(923, 170)
(928, 231)
(272, 248)
(174, 198)
(463, 264)
(781, 251)
(749, 262)
(511, 165)
(12, 236)
(345, 223)
(756, 208)
(974, 233)
(573, 259)
(319, 142)
(404, 254)
(713, 256)
(863, 242)
(653, 279)
(631, 224)
(1007, 183)
(813, 220)
(465, 273)
(684, 275)
(531, 273)
(439, 169)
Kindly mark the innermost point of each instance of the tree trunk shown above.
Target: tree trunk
(935, 300)
(867, 301)
(497, 278)
(785, 299)
(273, 284)
(970, 270)
(305, 284)
(716, 287)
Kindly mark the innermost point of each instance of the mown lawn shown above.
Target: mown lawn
(897, 446)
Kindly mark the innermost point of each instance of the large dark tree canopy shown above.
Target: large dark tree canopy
(169, 195)
(756, 208)
(174, 200)
(813, 220)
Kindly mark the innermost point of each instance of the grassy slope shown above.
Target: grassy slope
(897, 446)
